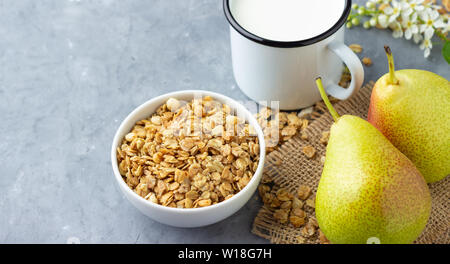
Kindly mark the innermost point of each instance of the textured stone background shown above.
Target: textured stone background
(71, 70)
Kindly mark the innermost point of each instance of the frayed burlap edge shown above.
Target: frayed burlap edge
(295, 170)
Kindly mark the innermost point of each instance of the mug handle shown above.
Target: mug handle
(356, 70)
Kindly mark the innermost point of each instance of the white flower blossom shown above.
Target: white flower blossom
(446, 28)
(417, 38)
(409, 23)
(412, 19)
(393, 11)
(429, 5)
(373, 21)
(383, 20)
(390, 14)
(431, 21)
(426, 46)
(397, 31)
(412, 6)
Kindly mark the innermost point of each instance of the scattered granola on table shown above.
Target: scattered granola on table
(278, 126)
(309, 151)
(189, 154)
(289, 208)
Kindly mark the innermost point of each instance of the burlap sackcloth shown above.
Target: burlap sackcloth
(296, 169)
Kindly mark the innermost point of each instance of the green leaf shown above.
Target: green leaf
(446, 51)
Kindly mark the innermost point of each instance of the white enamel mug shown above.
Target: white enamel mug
(285, 71)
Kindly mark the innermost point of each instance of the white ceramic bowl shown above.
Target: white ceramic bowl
(182, 217)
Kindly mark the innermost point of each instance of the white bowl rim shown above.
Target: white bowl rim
(248, 117)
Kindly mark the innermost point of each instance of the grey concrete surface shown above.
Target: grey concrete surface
(71, 70)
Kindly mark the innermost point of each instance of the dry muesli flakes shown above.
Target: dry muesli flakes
(313, 222)
(297, 203)
(304, 136)
(345, 80)
(268, 198)
(286, 205)
(289, 131)
(356, 48)
(189, 154)
(309, 151)
(305, 123)
(298, 212)
(325, 137)
(296, 221)
(346, 77)
(279, 127)
(322, 238)
(263, 189)
(284, 195)
(205, 202)
(301, 240)
(303, 192)
(275, 202)
(281, 215)
(311, 203)
(367, 61)
(309, 230)
(287, 208)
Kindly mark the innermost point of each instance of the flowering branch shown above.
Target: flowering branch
(418, 20)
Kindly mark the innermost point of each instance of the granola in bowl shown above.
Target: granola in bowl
(189, 154)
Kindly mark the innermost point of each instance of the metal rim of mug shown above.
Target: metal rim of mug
(286, 44)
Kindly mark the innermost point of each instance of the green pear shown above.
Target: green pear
(369, 191)
(412, 109)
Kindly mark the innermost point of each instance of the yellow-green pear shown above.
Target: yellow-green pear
(369, 191)
(412, 109)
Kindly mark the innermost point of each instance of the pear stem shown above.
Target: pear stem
(325, 99)
(392, 78)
